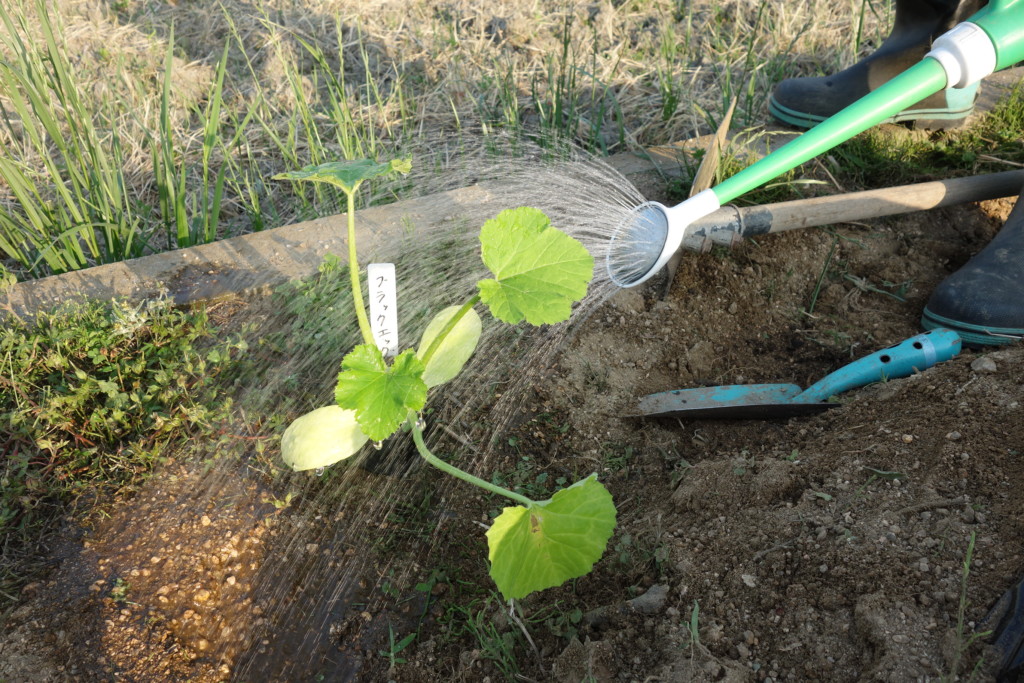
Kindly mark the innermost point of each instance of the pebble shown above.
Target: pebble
(205, 521)
(900, 638)
(953, 436)
(908, 438)
(202, 595)
(984, 364)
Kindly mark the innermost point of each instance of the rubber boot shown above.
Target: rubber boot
(984, 300)
(806, 102)
(1006, 622)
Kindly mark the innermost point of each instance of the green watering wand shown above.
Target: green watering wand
(991, 40)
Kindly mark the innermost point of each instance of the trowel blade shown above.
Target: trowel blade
(736, 402)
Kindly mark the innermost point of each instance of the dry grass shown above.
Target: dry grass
(311, 80)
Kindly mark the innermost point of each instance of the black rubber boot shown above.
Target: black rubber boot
(1006, 621)
(806, 102)
(984, 300)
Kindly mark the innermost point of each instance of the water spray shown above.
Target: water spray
(991, 40)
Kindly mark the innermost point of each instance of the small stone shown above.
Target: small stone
(900, 638)
(230, 581)
(968, 515)
(202, 644)
(908, 438)
(202, 595)
(984, 365)
(953, 436)
(749, 580)
(205, 521)
(733, 308)
(673, 365)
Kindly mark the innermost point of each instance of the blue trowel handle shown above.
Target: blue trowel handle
(903, 359)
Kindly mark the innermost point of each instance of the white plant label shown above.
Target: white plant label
(383, 307)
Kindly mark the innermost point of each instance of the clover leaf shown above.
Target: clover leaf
(382, 396)
(539, 271)
(347, 175)
(321, 438)
(455, 348)
(548, 543)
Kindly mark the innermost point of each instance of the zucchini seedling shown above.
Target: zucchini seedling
(539, 273)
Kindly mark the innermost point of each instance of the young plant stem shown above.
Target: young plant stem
(353, 268)
(448, 327)
(417, 436)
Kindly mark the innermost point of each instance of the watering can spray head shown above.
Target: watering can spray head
(648, 237)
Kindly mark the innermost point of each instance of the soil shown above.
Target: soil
(822, 547)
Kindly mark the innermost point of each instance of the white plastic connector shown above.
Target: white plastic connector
(966, 53)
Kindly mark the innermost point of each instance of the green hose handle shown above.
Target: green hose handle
(1002, 22)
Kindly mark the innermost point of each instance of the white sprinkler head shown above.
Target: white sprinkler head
(646, 240)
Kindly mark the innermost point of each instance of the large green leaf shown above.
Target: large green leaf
(347, 174)
(321, 438)
(454, 350)
(539, 271)
(551, 542)
(382, 396)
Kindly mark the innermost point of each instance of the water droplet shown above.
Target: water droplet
(320, 471)
(377, 445)
(421, 423)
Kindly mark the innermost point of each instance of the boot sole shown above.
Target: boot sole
(930, 119)
(972, 335)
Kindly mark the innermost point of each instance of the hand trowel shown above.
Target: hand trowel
(787, 400)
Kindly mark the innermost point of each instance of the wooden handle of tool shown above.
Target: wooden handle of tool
(729, 222)
(858, 206)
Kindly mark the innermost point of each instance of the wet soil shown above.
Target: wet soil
(828, 547)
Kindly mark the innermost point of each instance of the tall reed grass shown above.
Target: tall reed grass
(102, 159)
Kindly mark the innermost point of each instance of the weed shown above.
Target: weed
(693, 626)
(119, 592)
(494, 645)
(560, 622)
(394, 648)
(617, 457)
(964, 641)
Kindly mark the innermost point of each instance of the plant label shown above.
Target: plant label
(383, 307)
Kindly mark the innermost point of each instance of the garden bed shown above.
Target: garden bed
(830, 546)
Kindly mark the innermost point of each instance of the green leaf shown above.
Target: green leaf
(321, 438)
(454, 350)
(550, 542)
(347, 175)
(382, 396)
(539, 271)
